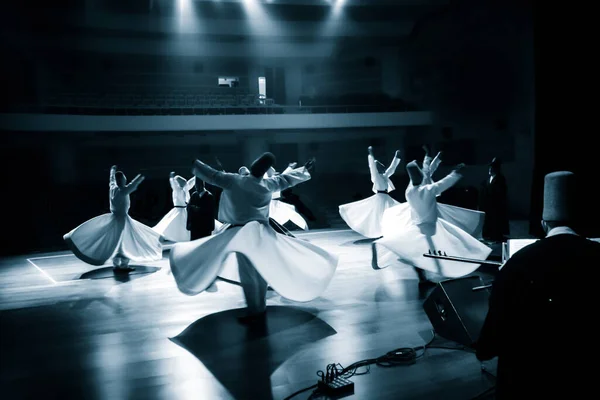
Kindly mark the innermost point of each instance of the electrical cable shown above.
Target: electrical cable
(394, 358)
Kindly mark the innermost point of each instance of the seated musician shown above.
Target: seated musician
(531, 325)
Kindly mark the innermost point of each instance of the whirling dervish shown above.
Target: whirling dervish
(282, 212)
(397, 217)
(296, 269)
(116, 234)
(365, 216)
(426, 233)
(172, 226)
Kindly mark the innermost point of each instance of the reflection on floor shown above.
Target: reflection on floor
(71, 330)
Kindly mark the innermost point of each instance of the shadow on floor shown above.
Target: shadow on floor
(243, 358)
(109, 273)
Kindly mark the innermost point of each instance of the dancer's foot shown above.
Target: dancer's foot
(374, 264)
(121, 264)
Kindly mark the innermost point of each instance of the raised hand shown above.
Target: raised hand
(172, 174)
(310, 164)
(292, 165)
(114, 167)
(397, 155)
(459, 167)
(370, 149)
(426, 149)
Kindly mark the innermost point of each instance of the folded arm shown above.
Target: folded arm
(212, 176)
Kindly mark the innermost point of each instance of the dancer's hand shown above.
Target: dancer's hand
(439, 154)
(310, 164)
(397, 155)
(459, 167)
(370, 149)
(114, 167)
(292, 165)
(426, 149)
(172, 174)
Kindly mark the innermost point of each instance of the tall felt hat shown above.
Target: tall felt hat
(495, 162)
(560, 196)
(262, 164)
(414, 172)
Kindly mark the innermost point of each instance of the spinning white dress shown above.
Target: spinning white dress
(296, 269)
(425, 231)
(107, 235)
(365, 216)
(172, 226)
(397, 217)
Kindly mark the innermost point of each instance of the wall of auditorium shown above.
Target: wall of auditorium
(362, 74)
(477, 76)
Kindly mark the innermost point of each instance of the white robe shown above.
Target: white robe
(365, 216)
(425, 232)
(99, 239)
(283, 212)
(296, 269)
(397, 217)
(172, 226)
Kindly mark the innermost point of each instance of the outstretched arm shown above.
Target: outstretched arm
(435, 163)
(372, 166)
(290, 167)
(212, 176)
(133, 185)
(446, 183)
(112, 180)
(290, 178)
(392, 168)
(190, 184)
(172, 181)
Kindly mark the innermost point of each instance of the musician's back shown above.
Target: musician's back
(540, 306)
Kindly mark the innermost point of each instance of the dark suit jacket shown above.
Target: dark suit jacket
(534, 325)
(201, 214)
(494, 202)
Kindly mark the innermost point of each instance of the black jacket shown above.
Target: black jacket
(538, 307)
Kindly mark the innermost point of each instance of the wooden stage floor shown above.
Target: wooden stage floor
(69, 330)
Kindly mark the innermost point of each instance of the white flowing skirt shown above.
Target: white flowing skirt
(97, 240)
(365, 216)
(470, 221)
(407, 246)
(283, 212)
(294, 268)
(172, 226)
